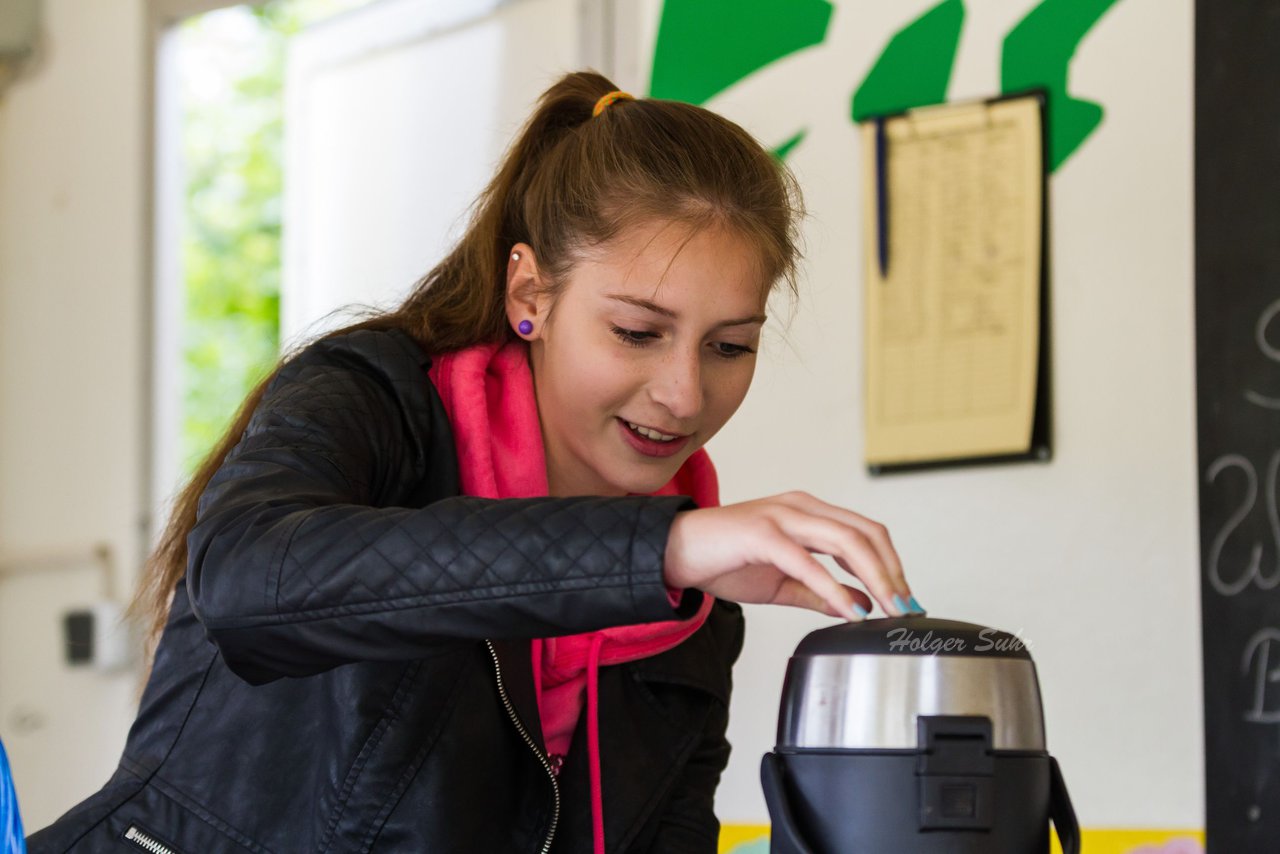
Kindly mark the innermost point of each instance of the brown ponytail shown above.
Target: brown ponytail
(567, 182)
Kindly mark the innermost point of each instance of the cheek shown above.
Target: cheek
(725, 389)
(598, 385)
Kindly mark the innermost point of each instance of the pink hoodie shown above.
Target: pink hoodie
(487, 391)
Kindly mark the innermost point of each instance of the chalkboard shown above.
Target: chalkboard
(1237, 302)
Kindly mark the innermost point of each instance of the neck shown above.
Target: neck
(562, 483)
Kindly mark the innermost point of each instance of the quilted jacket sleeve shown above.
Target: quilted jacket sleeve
(294, 567)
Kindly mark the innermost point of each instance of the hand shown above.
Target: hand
(760, 552)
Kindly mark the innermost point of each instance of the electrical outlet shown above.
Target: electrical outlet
(96, 637)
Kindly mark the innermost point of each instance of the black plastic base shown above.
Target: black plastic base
(866, 802)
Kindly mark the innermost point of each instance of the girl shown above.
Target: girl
(456, 579)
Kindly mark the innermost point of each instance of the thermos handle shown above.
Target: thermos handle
(1061, 811)
(784, 835)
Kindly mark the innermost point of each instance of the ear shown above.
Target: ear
(524, 302)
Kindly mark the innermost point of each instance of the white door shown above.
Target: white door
(396, 117)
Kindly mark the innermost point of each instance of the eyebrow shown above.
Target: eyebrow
(649, 305)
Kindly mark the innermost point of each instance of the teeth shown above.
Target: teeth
(651, 434)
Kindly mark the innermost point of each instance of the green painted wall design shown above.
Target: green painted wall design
(1038, 51)
(706, 46)
(783, 150)
(914, 68)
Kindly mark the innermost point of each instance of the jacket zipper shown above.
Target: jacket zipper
(146, 842)
(533, 745)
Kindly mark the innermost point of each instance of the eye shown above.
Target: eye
(733, 351)
(632, 337)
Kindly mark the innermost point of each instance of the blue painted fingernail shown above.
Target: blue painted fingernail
(859, 610)
(899, 604)
(915, 606)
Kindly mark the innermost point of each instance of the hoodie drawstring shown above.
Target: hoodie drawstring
(593, 745)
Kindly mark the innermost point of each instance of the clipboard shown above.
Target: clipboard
(955, 213)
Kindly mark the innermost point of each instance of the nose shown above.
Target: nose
(677, 384)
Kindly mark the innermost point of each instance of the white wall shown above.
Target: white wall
(72, 413)
(1092, 558)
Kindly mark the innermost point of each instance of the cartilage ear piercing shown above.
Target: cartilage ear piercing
(515, 255)
(525, 327)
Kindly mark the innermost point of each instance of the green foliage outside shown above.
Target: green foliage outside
(232, 65)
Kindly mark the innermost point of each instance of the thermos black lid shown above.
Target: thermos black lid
(913, 636)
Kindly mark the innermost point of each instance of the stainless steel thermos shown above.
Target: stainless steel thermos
(913, 735)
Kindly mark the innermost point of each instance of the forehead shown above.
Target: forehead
(672, 260)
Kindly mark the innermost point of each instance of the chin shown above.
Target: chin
(652, 481)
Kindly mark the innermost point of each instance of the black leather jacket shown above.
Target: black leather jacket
(346, 668)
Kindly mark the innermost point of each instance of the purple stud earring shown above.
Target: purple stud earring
(525, 327)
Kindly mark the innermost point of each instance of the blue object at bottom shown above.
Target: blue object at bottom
(11, 838)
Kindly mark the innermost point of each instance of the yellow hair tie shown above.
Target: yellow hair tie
(606, 100)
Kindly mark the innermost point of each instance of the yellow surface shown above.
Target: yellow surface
(735, 835)
(746, 836)
(1126, 841)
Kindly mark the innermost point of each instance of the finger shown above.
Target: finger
(792, 560)
(796, 594)
(875, 532)
(859, 594)
(841, 541)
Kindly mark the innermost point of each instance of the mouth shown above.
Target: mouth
(649, 441)
(653, 432)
